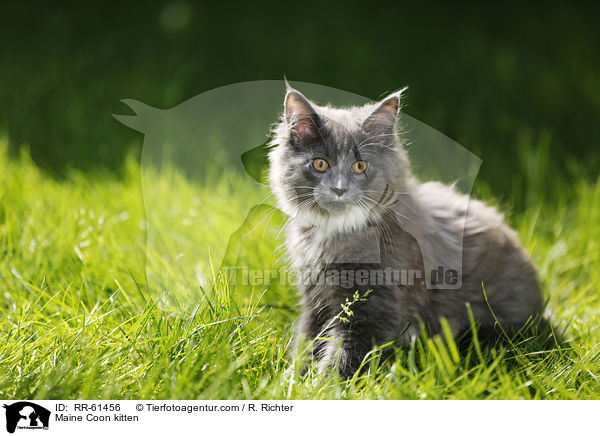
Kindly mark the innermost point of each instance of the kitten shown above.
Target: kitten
(357, 215)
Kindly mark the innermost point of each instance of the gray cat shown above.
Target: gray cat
(364, 235)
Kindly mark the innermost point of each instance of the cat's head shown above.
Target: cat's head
(336, 167)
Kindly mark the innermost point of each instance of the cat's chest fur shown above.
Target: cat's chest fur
(314, 246)
(315, 250)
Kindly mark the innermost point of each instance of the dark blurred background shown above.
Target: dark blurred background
(516, 84)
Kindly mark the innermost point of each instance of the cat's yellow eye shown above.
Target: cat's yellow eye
(359, 167)
(320, 165)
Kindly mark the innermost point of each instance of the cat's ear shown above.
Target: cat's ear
(301, 117)
(383, 119)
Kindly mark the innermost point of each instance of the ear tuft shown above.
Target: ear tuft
(383, 119)
(301, 117)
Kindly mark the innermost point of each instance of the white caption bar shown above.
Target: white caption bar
(296, 417)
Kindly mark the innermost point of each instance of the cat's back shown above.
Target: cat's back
(481, 226)
(491, 251)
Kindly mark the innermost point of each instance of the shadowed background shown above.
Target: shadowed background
(518, 86)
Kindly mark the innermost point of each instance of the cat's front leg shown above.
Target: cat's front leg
(354, 349)
(314, 321)
(352, 338)
(344, 350)
(349, 342)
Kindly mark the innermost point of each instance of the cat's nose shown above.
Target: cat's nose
(339, 192)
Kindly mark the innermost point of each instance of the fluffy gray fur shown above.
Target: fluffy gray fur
(332, 217)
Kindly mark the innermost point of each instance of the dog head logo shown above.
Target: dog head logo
(27, 415)
(224, 132)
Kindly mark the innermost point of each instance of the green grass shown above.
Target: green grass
(80, 320)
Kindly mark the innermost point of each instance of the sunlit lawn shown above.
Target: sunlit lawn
(81, 320)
